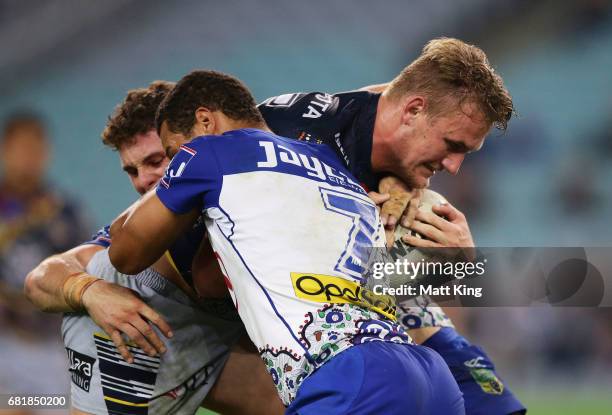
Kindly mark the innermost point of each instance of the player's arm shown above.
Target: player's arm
(151, 225)
(44, 285)
(144, 232)
(60, 283)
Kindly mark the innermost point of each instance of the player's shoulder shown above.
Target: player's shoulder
(283, 100)
(313, 115)
(226, 138)
(231, 145)
(198, 143)
(315, 102)
(198, 148)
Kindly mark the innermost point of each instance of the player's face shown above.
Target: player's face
(144, 161)
(24, 156)
(430, 144)
(171, 141)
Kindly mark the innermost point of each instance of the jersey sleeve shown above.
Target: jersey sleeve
(318, 117)
(192, 179)
(303, 116)
(283, 114)
(101, 238)
(314, 114)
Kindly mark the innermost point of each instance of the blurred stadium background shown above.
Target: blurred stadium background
(546, 182)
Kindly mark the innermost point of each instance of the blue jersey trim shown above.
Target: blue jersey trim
(230, 219)
(306, 353)
(101, 238)
(104, 243)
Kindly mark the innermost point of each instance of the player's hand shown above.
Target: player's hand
(445, 227)
(402, 205)
(118, 310)
(379, 198)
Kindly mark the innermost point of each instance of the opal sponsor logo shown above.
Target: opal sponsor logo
(335, 290)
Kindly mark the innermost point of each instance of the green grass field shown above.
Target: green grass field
(567, 402)
(553, 403)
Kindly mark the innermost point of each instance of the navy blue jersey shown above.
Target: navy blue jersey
(344, 121)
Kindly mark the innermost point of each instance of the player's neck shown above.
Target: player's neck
(239, 125)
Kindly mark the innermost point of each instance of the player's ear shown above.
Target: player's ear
(205, 121)
(412, 106)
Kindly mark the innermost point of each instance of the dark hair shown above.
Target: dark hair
(21, 119)
(135, 115)
(448, 72)
(210, 89)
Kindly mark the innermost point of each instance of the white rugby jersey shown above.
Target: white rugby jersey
(292, 230)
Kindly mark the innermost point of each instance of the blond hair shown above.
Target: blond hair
(451, 72)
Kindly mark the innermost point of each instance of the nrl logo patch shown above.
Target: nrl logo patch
(488, 382)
